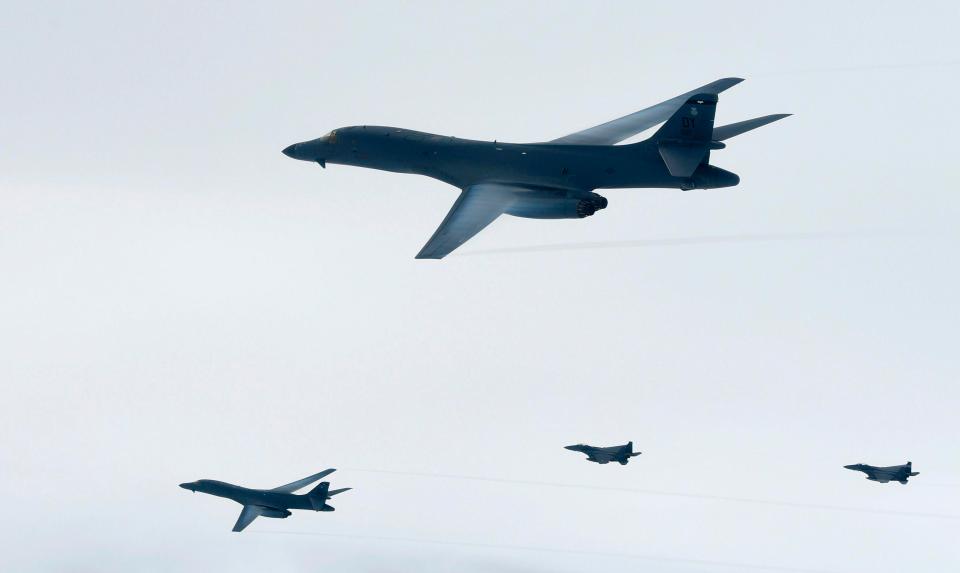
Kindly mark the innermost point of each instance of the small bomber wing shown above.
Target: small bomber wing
(249, 513)
(617, 130)
(477, 207)
(301, 483)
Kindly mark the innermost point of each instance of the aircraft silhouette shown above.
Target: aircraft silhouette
(551, 180)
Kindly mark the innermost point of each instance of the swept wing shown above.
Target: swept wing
(249, 513)
(477, 207)
(617, 130)
(301, 483)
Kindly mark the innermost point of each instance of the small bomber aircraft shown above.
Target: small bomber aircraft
(620, 454)
(885, 474)
(550, 180)
(274, 502)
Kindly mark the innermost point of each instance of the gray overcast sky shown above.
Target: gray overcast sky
(179, 300)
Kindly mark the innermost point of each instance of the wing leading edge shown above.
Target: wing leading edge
(617, 130)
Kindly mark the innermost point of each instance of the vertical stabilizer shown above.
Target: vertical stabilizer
(318, 497)
(321, 491)
(684, 139)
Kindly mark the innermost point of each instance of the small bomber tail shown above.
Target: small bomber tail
(321, 490)
(318, 497)
(686, 139)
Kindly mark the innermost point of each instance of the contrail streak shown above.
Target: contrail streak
(770, 502)
(656, 558)
(677, 242)
(860, 68)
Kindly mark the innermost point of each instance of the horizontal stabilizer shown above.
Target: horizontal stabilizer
(334, 492)
(734, 129)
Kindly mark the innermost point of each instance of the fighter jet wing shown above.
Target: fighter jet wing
(477, 207)
(249, 513)
(617, 130)
(300, 483)
(602, 456)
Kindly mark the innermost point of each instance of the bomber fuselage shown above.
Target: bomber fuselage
(464, 162)
(247, 496)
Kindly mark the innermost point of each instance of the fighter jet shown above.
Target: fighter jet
(274, 502)
(549, 180)
(885, 474)
(620, 454)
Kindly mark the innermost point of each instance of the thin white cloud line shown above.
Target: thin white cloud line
(684, 241)
(539, 549)
(709, 497)
(859, 68)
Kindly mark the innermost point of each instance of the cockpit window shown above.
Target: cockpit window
(331, 137)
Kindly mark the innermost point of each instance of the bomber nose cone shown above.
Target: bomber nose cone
(851, 467)
(290, 150)
(187, 485)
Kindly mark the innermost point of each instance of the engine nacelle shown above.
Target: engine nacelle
(273, 512)
(550, 205)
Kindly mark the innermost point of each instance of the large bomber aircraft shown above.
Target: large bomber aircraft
(550, 180)
(276, 502)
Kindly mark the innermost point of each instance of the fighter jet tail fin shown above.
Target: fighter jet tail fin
(686, 137)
